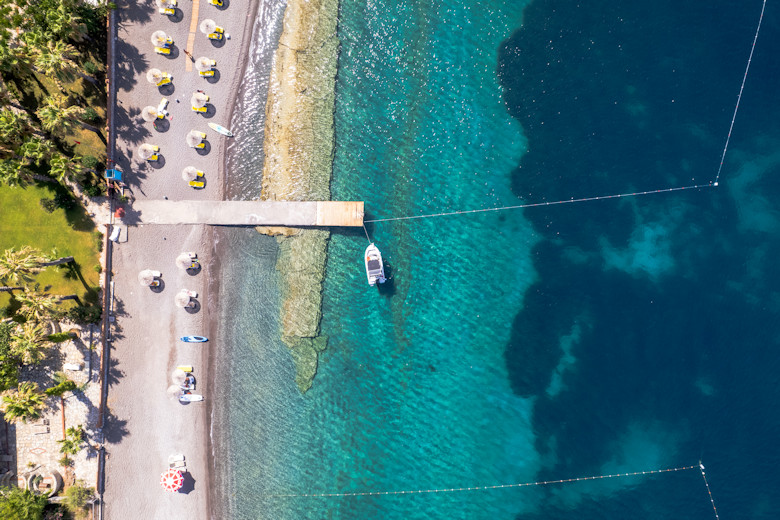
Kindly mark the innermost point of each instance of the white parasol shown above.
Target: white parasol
(185, 261)
(208, 26)
(174, 391)
(190, 173)
(203, 64)
(159, 38)
(183, 299)
(165, 4)
(194, 138)
(149, 114)
(154, 76)
(178, 376)
(145, 151)
(199, 99)
(146, 277)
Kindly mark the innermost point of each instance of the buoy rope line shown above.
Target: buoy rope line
(739, 97)
(498, 486)
(711, 184)
(550, 203)
(709, 492)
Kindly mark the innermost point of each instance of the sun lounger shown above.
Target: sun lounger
(154, 157)
(162, 50)
(199, 109)
(218, 3)
(197, 184)
(215, 36)
(164, 81)
(167, 11)
(177, 461)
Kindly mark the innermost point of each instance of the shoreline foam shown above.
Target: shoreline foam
(299, 147)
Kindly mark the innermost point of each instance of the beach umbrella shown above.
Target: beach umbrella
(145, 151)
(149, 114)
(194, 138)
(159, 38)
(146, 277)
(208, 26)
(154, 76)
(178, 376)
(190, 173)
(165, 4)
(183, 299)
(172, 480)
(174, 391)
(203, 64)
(199, 99)
(184, 261)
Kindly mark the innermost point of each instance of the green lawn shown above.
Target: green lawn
(24, 222)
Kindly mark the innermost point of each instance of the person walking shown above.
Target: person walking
(188, 54)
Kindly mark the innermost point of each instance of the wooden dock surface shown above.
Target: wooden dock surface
(247, 213)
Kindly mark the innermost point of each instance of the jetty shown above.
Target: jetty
(247, 213)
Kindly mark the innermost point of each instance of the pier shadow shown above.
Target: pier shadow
(205, 150)
(215, 78)
(195, 309)
(162, 125)
(160, 288)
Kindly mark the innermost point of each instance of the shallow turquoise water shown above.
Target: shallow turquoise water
(520, 346)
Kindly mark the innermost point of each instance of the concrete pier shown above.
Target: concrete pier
(247, 213)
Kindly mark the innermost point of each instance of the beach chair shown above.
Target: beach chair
(154, 157)
(215, 36)
(206, 73)
(167, 11)
(197, 184)
(177, 461)
(200, 109)
(162, 50)
(218, 3)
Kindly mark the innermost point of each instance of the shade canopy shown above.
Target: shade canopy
(172, 480)
(165, 3)
(178, 376)
(149, 114)
(183, 299)
(208, 26)
(146, 277)
(194, 138)
(145, 151)
(154, 76)
(190, 173)
(174, 391)
(199, 99)
(159, 38)
(203, 64)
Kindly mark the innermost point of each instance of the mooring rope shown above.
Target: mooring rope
(711, 184)
(709, 492)
(739, 97)
(484, 488)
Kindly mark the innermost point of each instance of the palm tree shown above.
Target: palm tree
(64, 23)
(13, 127)
(29, 342)
(20, 266)
(36, 150)
(37, 306)
(61, 167)
(57, 60)
(24, 403)
(14, 173)
(54, 258)
(21, 504)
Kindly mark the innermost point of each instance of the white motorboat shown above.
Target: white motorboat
(375, 269)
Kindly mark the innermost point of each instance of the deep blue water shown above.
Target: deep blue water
(537, 344)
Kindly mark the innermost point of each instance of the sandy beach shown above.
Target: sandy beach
(144, 426)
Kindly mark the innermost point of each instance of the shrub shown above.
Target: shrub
(90, 68)
(59, 337)
(78, 496)
(65, 461)
(97, 268)
(61, 388)
(9, 365)
(85, 314)
(64, 201)
(95, 190)
(48, 205)
(90, 114)
(21, 504)
(90, 161)
(98, 240)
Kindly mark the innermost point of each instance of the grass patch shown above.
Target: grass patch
(24, 222)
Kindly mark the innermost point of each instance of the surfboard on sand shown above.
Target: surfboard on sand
(221, 129)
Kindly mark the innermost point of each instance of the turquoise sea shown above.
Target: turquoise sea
(526, 345)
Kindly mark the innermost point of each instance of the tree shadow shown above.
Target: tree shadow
(114, 429)
(125, 123)
(205, 150)
(129, 64)
(134, 12)
(215, 78)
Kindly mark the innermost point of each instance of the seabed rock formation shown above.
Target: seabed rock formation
(298, 164)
